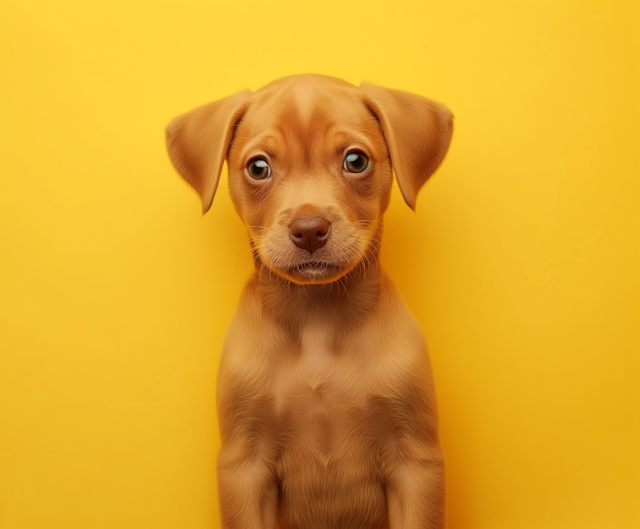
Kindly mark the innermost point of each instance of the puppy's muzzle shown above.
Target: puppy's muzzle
(310, 234)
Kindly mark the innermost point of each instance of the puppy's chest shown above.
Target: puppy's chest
(320, 391)
(327, 446)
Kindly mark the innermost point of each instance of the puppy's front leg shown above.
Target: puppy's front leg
(415, 488)
(248, 489)
(247, 483)
(413, 462)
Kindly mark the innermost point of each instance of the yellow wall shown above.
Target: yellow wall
(115, 293)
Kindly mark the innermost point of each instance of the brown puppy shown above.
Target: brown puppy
(326, 404)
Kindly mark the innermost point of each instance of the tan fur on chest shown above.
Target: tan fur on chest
(329, 451)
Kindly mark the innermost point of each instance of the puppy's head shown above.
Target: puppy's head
(310, 166)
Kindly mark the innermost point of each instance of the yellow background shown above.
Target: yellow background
(521, 263)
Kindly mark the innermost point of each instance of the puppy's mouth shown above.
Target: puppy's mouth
(314, 271)
(309, 265)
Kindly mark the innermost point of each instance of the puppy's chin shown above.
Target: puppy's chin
(313, 272)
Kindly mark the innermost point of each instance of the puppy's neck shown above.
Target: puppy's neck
(341, 304)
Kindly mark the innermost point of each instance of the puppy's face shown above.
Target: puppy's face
(310, 175)
(310, 166)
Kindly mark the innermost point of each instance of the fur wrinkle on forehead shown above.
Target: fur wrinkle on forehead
(303, 95)
(303, 101)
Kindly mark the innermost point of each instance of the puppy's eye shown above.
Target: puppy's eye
(259, 169)
(355, 162)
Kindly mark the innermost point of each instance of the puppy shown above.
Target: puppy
(325, 397)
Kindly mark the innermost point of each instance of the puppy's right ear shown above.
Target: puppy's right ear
(417, 131)
(198, 142)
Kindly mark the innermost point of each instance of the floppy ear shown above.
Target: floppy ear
(198, 142)
(417, 131)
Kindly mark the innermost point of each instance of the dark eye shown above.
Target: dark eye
(355, 162)
(259, 169)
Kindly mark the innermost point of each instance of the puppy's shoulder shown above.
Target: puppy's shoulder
(247, 322)
(401, 345)
(397, 321)
(251, 336)
(245, 373)
(400, 381)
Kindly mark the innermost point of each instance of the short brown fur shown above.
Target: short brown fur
(326, 404)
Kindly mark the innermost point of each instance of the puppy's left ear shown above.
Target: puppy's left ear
(198, 142)
(417, 131)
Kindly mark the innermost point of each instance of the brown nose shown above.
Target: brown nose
(309, 234)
